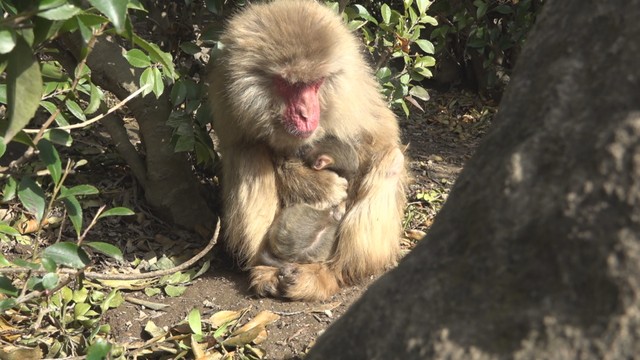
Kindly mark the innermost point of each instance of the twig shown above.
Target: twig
(100, 276)
(98, 117)
(92, 224)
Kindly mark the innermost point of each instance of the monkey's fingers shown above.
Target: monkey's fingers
(264, 281)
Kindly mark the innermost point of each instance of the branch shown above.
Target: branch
(100, 276)
(99, 117)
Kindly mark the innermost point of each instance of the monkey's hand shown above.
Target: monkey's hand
(336, 190)
(264, 280)
(297, 183)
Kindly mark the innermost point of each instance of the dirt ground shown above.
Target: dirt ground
(439, 141)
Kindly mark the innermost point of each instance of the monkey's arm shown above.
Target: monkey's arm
(250, 199)
(368, 235)
(297, 183)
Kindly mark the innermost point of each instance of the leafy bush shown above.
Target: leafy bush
(484, 37)
(389, 37)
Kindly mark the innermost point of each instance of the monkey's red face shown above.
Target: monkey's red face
(302, 106)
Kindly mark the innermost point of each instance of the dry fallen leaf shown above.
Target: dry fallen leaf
(263, 318)
(222, 317)
(10, 352)
(244, 338)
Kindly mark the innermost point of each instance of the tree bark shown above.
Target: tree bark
(169, 184)
(536, 254)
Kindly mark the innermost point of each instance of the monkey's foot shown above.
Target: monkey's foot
(264, 280)
(307, 282)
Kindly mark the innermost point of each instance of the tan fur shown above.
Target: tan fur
(303, 41)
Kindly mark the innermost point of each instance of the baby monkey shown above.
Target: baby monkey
(303, 233)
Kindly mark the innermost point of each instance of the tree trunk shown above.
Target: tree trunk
(169, 184)
(536, 254)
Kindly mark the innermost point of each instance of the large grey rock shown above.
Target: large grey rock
(536, 254)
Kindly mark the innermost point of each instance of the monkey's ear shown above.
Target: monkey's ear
(322, 162)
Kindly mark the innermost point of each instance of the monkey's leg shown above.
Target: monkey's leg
(250, 199)
(307, 282)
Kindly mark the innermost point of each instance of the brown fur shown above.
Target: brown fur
(303, 41)
(303, 233)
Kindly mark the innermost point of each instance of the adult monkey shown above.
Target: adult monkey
(289, 74)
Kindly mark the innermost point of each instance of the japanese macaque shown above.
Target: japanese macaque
(329, 153)
(303, 233)
(289, 74)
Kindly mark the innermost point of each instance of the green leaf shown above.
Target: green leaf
(3, 93)
(426, 46)
(115, 10)
(4, 262)
(32, 197)
(424, 72)
(429, 20)
(174, 291)
(423, 5)
(158, 83)
(107, 249)
(58, 136)
(50, 280)
(98, 350)
(94, 100)
(190, 48)
(6, 229)
(81, 309)
(419, 92)
(7, 39)
(74, 210)
(49, 4)
(48, 265)
(51, 109)
(24, 88)
(7, 304)
(482, 8)
(117, 211)
(112, 301)
(85, 31)
(425, 61)
(152, 291)
(147, 78)
(157, 55)
(3, 146)
(63, 12)
(75, 109)
(137, 58)
(385, 10)
(195, 323)
(7, 288)
(363, 13)
(27, 264)
(49, 156)
(185, 143)
(78, 190)
(178, 93)
(9, 190)
(68, 254)
(80, 295)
